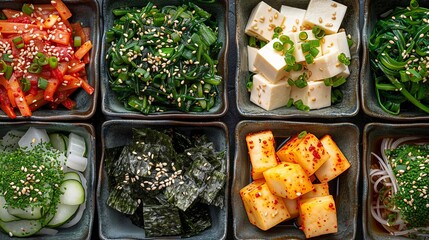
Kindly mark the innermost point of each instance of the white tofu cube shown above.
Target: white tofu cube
(326, 66)
(345, 73)
(335, 42)
(269, 95)
(327, 14)
(271, 63)
(316, 94)
(294, 18)
(298, 54)
(262, 22)
(251, 55)
(294, 75)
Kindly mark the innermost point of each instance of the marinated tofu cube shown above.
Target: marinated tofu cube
(318, 216)
(316, 94)
(292, 207)
(320, 190)
(294, 17)
(309, 154)
(269, 95)
(262, 22)
(264, 209)
(261, 150)
(288, 180)
(270, 62)
(336, 164)
(251, 55)
(325, 13)
(326, 66)
(284, 152)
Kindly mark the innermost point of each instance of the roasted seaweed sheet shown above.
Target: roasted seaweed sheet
(166, 180)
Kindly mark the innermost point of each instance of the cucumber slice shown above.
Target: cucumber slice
(72, 175)
(5, 216)
(58, 142)
(73, 192)
(64, 214)
(30, 213)
(21, 228)
(76, 145)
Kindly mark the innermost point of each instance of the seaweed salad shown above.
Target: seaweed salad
(165, 181)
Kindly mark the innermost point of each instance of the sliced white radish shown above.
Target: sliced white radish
(32, 137)
(76, 162)
(76, 145)
(73, 192)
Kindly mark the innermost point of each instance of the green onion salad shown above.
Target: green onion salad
(399, 185)
(162, 59)
(399, 53)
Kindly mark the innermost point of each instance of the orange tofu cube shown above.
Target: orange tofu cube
(292, 207)
(284, 152)
(318, 216)
(336, 164)
(288, 180)
(320, 190)
(262, 152)
(309, 153)
(264, 209)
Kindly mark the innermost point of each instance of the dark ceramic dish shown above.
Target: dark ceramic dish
(112, 107)
(114, 133)
(88, 13)
(350, 104)
(346, 135)
(372, 135)
(83, 229)
(372, 11)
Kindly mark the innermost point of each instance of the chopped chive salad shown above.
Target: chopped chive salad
(164, 59)
(166, 181)
(399, 53)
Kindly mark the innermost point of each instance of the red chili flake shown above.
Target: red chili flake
(331, 205)
(251, 142)
(265, 142)
(257, 194)
(312, 148)
(275, 201)
(316, 154)
(251, 147)
(319, 144)
(338, 158)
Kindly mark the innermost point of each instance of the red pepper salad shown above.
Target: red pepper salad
(42, 58)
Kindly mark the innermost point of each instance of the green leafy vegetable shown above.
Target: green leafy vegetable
(157, 56)
(398, 47)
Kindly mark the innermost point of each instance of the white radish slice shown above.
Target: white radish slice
(32, 137)
(76, 162)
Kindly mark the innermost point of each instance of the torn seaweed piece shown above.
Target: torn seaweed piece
(200, 169)
(112, 154)
(161, 220)
(214, 185)
(120, 198)
(195, 220)
(182, 193)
